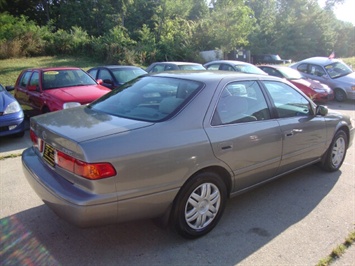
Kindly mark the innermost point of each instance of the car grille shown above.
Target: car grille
(3, 129)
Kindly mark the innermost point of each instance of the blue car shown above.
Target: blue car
(11, 114)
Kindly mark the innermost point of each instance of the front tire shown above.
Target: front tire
(339, 95)
(336, 152)
(199, 205)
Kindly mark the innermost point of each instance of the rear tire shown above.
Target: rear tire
(336, 152)
(199, 205)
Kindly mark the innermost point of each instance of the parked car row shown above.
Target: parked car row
(314, 89)
(43, 90)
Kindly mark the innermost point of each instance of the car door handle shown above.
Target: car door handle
(225, 146)
(293, 132)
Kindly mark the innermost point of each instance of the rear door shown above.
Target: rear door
(243, 134)
(34, 91)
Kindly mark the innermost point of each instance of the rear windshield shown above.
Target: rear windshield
(148, 98)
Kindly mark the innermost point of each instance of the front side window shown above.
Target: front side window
(24, 79)
(241, 102)
(288, 101)
(34, 81)
(93, 73)
(125, 75)
(158, 68)
(213, 67)
(316, 70)
(148, 98)
(104, 74)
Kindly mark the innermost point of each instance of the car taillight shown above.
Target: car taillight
(37, 142)
(91, 171)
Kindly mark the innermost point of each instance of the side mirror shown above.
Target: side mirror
(99, 81)
(9, 88)
(108, 81)
(322, 110)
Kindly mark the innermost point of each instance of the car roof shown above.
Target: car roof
(116, 66)
(319, 60)
(228, 61)
(274, 66)
(212, 75)
(52, 68)
(177, 63)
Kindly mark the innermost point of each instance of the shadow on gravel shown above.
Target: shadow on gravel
(249, 222)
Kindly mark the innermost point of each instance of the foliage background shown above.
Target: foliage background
(143, 31)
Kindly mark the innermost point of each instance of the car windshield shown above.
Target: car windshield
(290, 73)
(338, 69)
(276, 57)
(124, 75)
(250, 69)
(191, 67)
(148, 98)
(66, 78)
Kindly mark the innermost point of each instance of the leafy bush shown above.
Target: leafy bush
(20, 37)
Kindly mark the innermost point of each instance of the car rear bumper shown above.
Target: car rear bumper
(84, 209)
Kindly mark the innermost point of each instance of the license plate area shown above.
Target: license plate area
(48, 154)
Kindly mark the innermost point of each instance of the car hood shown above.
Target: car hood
(5, 100)
(82, 124)
(349, 79)
(81, 94)
(308, 82)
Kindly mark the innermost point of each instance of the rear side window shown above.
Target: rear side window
(241, 102)
(302, 68)
(24, 79)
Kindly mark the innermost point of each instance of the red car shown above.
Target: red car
(315, 90)
(43, 90)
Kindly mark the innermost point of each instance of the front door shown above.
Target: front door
(244, 136)
(302, 131)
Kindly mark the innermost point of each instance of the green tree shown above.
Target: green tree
(227, 27)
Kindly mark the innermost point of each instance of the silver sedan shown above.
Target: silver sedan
(176, 146)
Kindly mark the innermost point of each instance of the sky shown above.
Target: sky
(345, 12)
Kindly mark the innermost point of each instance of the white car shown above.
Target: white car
(333, 72)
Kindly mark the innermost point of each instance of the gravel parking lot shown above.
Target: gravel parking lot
(295, 220)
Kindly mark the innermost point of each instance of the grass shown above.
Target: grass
(10, 156)
(11, 68)
(338, 251)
